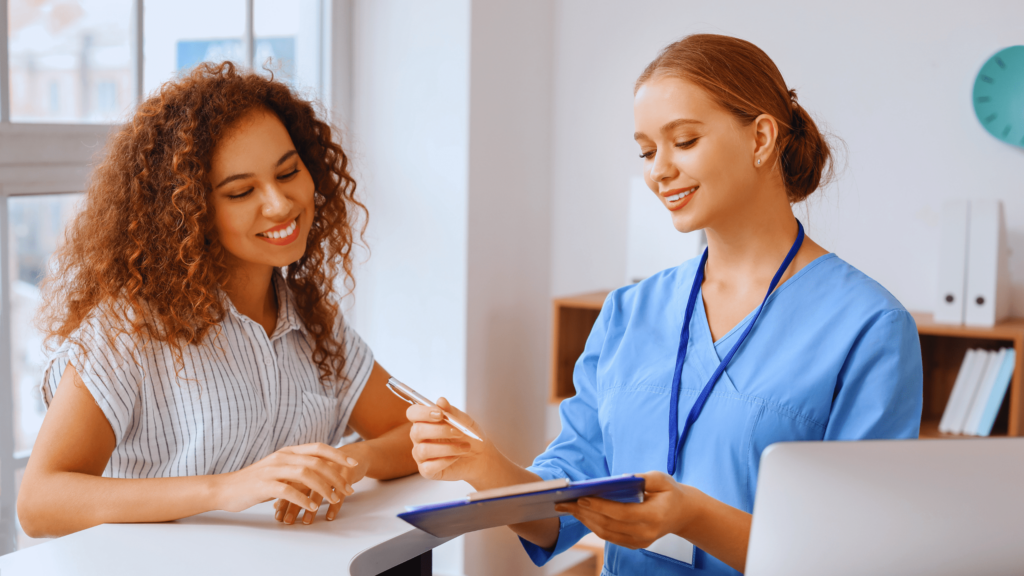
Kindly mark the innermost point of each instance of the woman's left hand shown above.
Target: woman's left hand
(287, 512)
(668, 508)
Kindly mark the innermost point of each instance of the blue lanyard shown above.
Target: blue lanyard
(675, 440)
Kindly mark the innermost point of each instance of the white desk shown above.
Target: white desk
(364, 540)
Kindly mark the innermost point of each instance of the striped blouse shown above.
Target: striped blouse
(238, 397)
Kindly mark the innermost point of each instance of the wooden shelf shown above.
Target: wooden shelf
(942, 351)
(930, 431)
(574, 317)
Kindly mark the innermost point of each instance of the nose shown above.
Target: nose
(276, 204)
(662, 168)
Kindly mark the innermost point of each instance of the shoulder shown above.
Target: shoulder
(836, 280)
(662, 288)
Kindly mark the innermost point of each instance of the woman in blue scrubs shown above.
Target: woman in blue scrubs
(693, 372)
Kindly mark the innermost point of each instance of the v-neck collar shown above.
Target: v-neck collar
(705, 327)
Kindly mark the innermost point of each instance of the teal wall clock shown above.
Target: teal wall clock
(999, 95)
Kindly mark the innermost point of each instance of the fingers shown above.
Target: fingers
(332, 510)
(459, 415)
(608, 529)
(297, 500)
(420, 413)
(321, 450)
(434, 469)
(308, 516)
(316, 474)
(655, 481)
(424, 451)
(619, 511)
(429, 432)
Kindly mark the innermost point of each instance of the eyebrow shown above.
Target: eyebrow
(234, 177)
(669, 127)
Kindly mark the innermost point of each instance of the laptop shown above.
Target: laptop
(931, 507)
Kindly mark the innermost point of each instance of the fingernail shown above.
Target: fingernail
(314, 506)
(334, 498)
(435, 414)
(352, 461)
(330, 515)
(349, 490)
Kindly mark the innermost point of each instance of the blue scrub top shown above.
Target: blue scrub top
(833, 356)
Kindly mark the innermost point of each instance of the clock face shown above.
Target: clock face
(999, 95)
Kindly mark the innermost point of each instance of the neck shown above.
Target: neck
(252, 292)
(750, 244)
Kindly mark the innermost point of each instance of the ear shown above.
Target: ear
(766, 133)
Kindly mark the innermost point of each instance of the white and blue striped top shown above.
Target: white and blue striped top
(239, 396)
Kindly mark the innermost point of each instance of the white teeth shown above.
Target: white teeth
(681, 195)
(282, 233)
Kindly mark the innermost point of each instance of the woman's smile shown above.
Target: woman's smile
(283, 234)
(679, 197)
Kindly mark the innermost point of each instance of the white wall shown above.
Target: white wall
(509, 246)
(450, 124)
(410, 141)
(893, 79)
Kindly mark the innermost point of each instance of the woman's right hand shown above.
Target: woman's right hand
(273, 477)
(441, 451)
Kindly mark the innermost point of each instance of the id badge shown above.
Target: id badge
(674, 547)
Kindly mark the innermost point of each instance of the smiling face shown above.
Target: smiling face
(699, 159)
(263, 196)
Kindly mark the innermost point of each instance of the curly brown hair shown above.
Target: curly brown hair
(141, 250)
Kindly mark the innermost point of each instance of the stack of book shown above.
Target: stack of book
(978, 392)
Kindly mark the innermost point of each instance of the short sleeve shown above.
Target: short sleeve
(578, 451)
(109, 368)
(879, 390)
(358, 366)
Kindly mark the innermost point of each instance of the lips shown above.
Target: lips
(680, 195)
(282, 231)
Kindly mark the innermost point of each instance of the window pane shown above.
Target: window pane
(36, 226)
(288, 41)
(70, 61)
(180, 34)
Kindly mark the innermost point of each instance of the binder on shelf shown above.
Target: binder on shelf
(959, 392)
(999, 388)
(987, 300)
(985, 386)
(973, 379)
(952, 262)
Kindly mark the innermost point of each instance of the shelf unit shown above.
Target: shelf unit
(942, 351)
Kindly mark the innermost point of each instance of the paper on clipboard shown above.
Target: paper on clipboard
(444, 519)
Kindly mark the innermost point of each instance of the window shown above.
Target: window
(68, 70)
(36, 224)
(175, 40)
(61, 52)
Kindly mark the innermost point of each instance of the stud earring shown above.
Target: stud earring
(758, 161)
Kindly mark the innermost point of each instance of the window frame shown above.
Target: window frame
(65, 153)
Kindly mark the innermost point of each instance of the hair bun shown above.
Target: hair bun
(805, 155)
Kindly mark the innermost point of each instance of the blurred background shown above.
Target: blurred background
(493, 147)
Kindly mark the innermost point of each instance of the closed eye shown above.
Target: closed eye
(288, 175)
(240, 194)
(687, 144)
(646, 155)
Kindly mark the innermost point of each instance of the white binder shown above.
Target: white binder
(963, 408)
(949, 309)
(988, 380)
(988, 280)
(958, 396)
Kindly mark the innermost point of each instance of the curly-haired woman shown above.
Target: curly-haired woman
(202, 362)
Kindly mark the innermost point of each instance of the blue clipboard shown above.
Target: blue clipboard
(469, 514)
